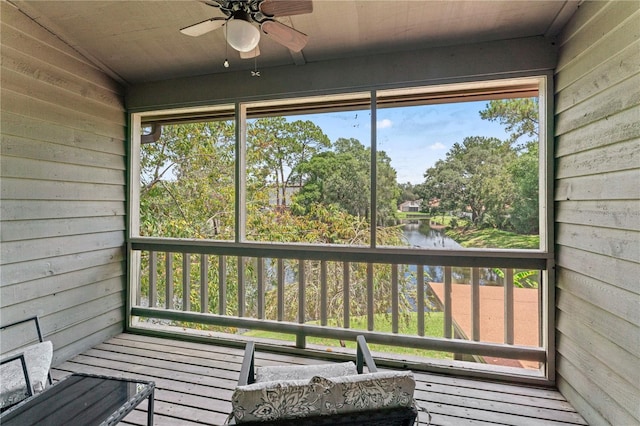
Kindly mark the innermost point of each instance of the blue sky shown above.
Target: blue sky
(413, 137)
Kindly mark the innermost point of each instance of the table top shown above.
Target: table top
(80, 399)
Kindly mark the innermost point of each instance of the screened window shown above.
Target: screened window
(447, 167)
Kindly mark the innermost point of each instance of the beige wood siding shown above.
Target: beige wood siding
(598, 212)
(63, 189)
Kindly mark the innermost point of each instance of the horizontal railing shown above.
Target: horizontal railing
(317, 291)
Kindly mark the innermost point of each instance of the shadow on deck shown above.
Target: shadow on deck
(194, 383)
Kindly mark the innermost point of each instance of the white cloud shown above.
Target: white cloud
(438, 146)
(384, 124)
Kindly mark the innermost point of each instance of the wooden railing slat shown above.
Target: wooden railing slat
(222, 285)
(448, 309)
(346, 272)
(370, 298)
(168, 268)
(420, 298)
(395, 312)
(323, 292)
(508, 307)
(475, 304)
(153, 278)
(300, 337)
(261, 278)
(280, 290)
(186, 282)
(241, 287)
(204, 283)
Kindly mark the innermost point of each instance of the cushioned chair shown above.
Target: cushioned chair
(325, 394)
(25, 370)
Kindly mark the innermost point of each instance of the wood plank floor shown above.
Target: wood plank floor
(194, 383)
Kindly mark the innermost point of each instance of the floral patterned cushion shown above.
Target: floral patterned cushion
(12, 383)
(322, 396)
(299, 372)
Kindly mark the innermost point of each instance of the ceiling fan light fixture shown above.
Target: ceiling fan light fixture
(241, 35)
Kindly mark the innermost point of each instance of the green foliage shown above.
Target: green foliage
(276, 147)
(521, 279)
(471, 178)
(321, 224)
(408, 192)
(519, 116)
(336, 292)
(495, 181)
(187, 182)
(524, 173)
(342, 178)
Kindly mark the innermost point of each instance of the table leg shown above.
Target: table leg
(150, 409)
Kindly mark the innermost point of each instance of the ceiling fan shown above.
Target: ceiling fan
(240, 17)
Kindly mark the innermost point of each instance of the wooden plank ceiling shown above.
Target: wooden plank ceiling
(139, 41)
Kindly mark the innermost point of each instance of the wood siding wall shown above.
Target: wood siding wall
(63, 189)
(598, 212)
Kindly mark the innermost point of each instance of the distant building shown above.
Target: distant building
(410, 206)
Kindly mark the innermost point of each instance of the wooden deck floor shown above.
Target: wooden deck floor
(194, 383)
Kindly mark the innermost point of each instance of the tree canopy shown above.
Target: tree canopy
(470, 178)
(342, 177)
(519, 116)
(187, 182)
(494, 181)
(276, 147)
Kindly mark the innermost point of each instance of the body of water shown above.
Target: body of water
(420, 235)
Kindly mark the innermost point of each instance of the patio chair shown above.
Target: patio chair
(24, 370)
(325, 394)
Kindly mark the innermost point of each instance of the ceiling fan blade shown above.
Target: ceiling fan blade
(286, 7)
(250, 54)
(203, 27)
(287, 36)
(212, 3)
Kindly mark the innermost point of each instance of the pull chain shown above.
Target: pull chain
(255, 72)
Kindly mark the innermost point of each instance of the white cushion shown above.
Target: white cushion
(12, 385)
(322, 396)
(300, 372)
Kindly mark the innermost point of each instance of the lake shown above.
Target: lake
(419, 235)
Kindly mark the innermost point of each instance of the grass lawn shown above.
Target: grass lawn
(470, 237)
(412, 215)
(493, 238)
(434, 326)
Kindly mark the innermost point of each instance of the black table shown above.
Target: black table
(82, 400)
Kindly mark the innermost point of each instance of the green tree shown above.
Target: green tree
(520, 118)
(524, 172)
(276, 147)
(342, 177)
(472, 177)
(387, 189)
(408, 192)
(187, 181)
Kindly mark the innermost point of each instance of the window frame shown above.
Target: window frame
(373, 99)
